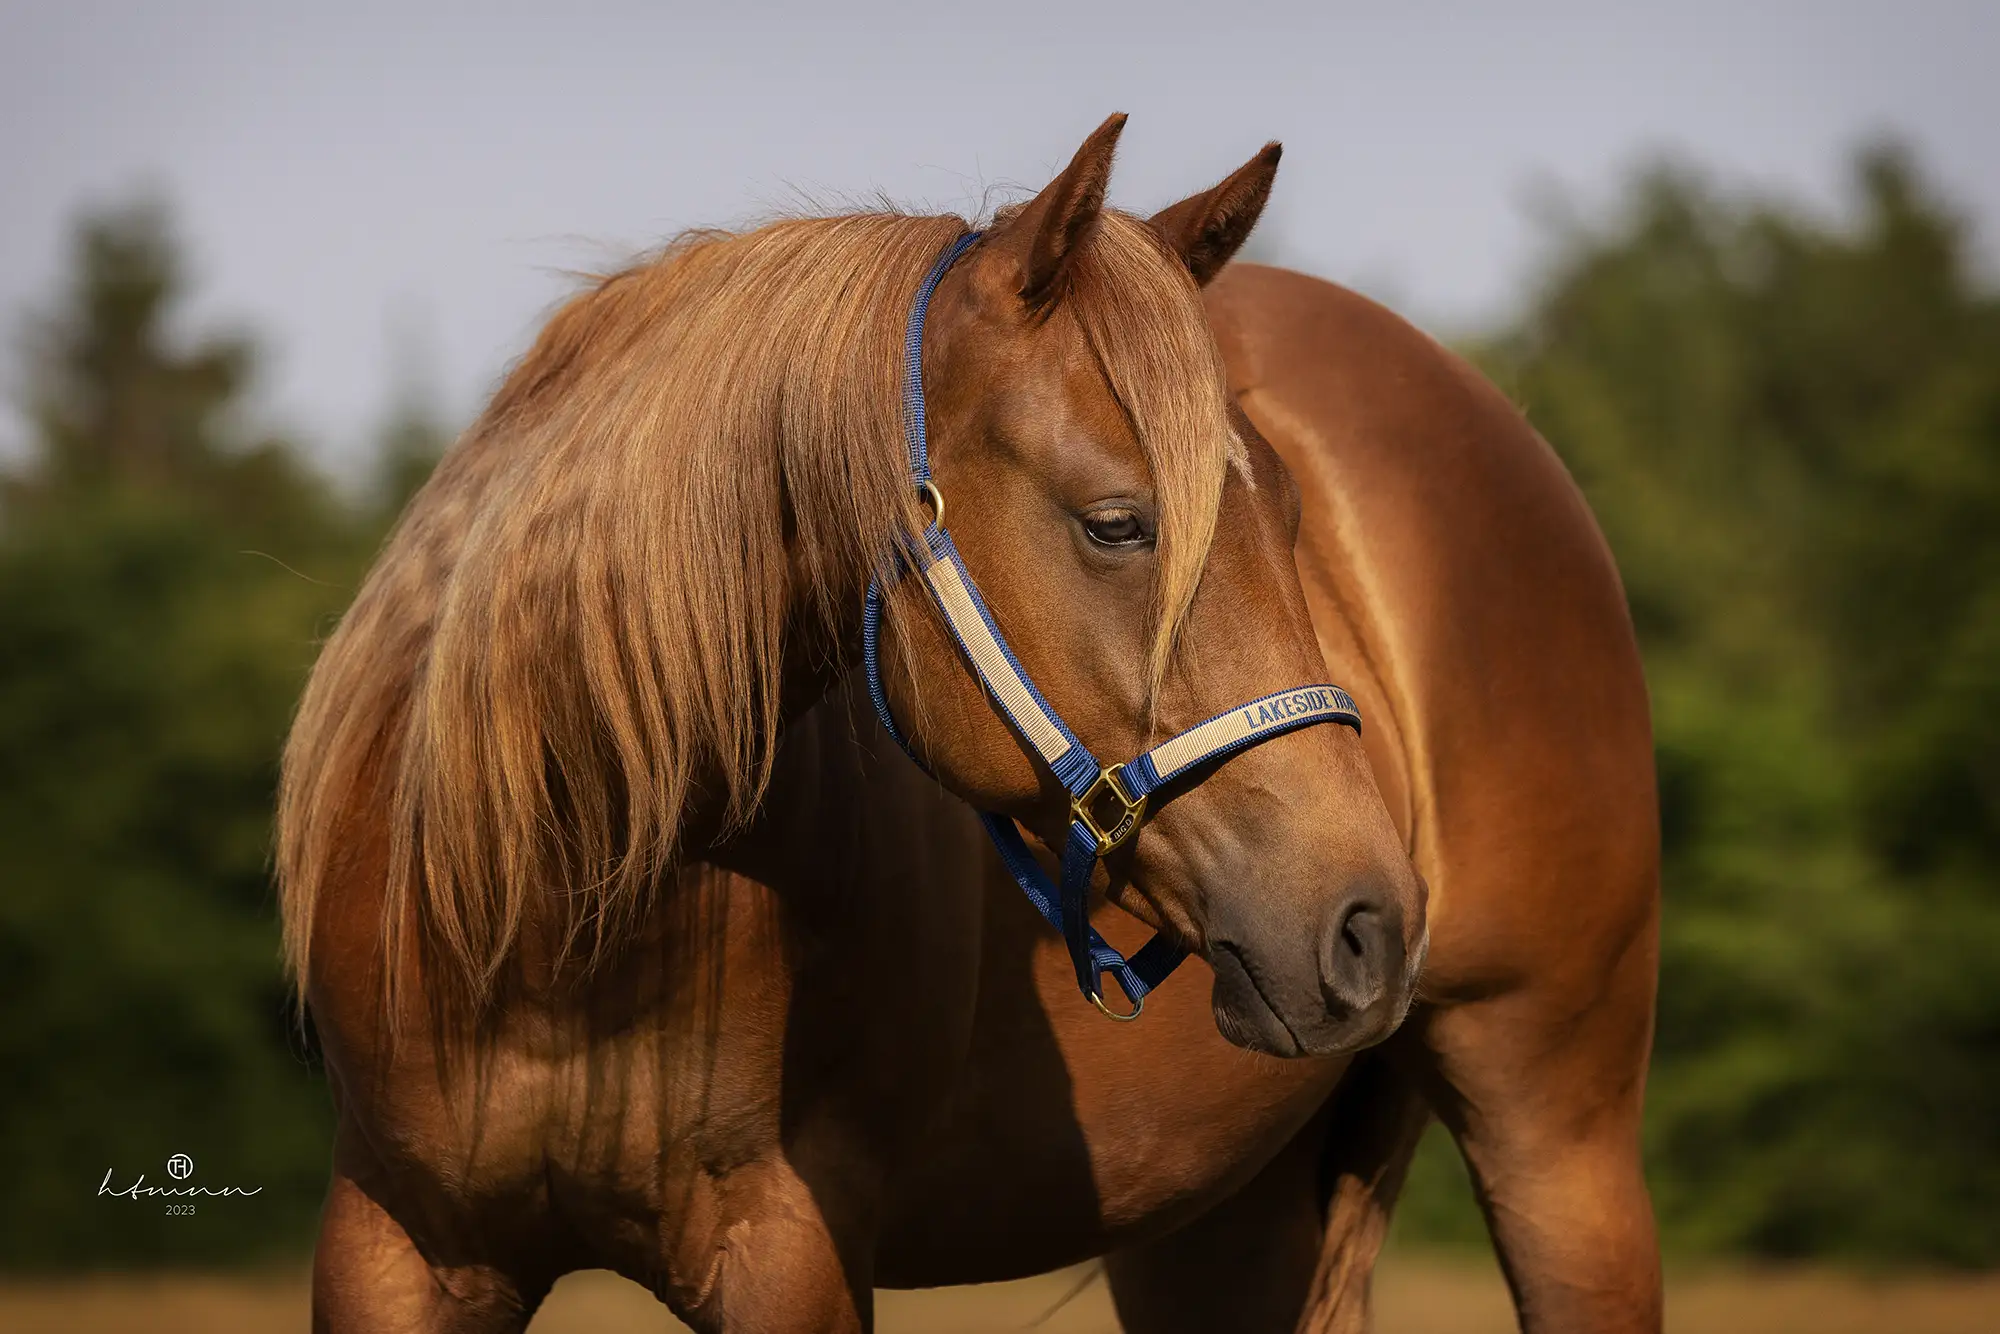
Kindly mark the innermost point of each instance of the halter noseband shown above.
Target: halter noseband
(1107, 803)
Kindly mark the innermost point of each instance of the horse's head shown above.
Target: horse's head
(1133, 535)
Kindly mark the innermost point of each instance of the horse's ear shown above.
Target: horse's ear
(1049, 227)
(1205, 230)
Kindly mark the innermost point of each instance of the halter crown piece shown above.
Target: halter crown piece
(1107, 804)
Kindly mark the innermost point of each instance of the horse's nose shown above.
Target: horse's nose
(1361, 950)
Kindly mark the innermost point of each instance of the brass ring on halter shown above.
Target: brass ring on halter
(1138, 1008)
(936, 497)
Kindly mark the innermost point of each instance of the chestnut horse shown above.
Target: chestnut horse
(606, 975)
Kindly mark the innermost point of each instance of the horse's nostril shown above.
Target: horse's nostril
(1351, 934)
(1355, 966)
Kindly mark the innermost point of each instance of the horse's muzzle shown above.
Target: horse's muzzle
(1339, 989)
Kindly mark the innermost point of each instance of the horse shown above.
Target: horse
(817, 1041)
(598, 980)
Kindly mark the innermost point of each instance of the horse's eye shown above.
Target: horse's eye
(1116, 528)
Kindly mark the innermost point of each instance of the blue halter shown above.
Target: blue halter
(1107, 804)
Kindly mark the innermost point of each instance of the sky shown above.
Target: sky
(392, 196)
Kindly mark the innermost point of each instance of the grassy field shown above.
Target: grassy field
(1414, 1295)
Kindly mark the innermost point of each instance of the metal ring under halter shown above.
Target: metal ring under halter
(1065, 903)
(1138, 1007)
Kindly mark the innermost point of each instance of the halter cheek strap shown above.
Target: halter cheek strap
(1107, 803)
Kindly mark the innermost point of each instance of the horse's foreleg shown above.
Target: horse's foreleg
(1542, 1090)
(369, 1276)
(1377, 1118)
(1245, 1266)
(782, 1248)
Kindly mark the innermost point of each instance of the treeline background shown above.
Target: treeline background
(1788, 425)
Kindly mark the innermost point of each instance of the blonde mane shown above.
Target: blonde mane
(581, 621)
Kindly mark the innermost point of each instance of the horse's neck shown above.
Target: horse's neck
(814, 778)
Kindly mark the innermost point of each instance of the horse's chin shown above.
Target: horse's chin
(1246, 1016)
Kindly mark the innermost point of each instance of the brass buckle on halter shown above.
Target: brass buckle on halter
(1124, 822)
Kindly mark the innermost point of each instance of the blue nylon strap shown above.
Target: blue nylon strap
(1065, 904)
(1079, 859)
(871, 663)
(987, 650)
(913, 361)
(1066, 909)
(1137, 976)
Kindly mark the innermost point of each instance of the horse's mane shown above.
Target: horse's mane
(581, 618)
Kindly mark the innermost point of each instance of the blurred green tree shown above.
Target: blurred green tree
(1790, 431)
(153, 636)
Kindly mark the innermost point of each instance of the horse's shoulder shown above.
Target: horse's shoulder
(1424, 457)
